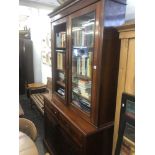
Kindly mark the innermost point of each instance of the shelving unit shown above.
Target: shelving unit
(126, 76)
(87, 74)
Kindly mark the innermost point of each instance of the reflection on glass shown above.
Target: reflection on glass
(61, 39)
(82, 53)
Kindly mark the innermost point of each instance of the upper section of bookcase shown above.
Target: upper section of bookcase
(69, 7)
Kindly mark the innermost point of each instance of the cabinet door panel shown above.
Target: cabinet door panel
(81, 54)
(57, 138)
(60, 52)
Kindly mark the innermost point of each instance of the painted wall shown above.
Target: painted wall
(130, 10)
(40, 27)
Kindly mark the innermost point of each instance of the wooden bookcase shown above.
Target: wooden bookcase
(126, 77)
(85, 52)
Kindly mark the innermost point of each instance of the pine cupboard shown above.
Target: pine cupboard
(79, 114)
(126, 77)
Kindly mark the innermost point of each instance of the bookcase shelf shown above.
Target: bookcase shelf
(82, 47)
(60, 70)
(83, 77)
(60, 48)
(61, 83)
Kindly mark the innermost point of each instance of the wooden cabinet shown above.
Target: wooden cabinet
(126, 78)
(85, 52)
(67, 133)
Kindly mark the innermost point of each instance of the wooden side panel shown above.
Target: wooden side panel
(100, 143)
(109, 76)
(121, 86)
(130, 74)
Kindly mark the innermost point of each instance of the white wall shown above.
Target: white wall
(45, 28)
(36, 39)
(130, 10)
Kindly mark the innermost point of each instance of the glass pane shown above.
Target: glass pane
(82, 53)
(61, 39)
(60, 52)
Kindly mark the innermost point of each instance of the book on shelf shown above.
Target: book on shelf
(83, 88)
(84, 65)
(58, 50)
(83, 83)
(61, 76)
(61, 91)
(89, 64)
(79, 65)
(61, 39)
(85, 105)
(81, 102)
(60, 61)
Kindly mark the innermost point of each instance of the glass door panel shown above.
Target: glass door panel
(83, 28)
(60, 60)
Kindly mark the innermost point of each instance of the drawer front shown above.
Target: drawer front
(71, 130)
(51, 110)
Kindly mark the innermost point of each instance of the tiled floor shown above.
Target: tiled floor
(37, 119)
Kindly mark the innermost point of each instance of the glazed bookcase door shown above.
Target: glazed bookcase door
(82, 49)
(60, 50)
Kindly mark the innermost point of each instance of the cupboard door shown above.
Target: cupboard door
(60, 50)
(51, 132)
(58, 139)
(82, 49)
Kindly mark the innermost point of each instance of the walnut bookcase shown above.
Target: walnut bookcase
(85, 52)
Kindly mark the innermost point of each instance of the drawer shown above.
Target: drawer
(51, 110)
(74, 133)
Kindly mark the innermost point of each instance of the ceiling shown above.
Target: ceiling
(45, 4)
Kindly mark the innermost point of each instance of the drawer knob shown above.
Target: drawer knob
(55, 112)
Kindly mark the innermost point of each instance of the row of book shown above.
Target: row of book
(85, 105)
(61, 91)
(84, 66)
(60, 60)
(83, 92)
(83, 88)
(83, 36)
(61, 76)
(81, 103)
(61, 40)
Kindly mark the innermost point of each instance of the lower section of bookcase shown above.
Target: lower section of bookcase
(65, 137)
